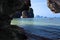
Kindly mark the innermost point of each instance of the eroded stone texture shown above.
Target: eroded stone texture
(54, 5)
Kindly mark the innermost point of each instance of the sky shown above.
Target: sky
(40, 8)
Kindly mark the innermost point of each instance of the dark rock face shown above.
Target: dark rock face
(31, 14)
(28, 13)
(29, 10)
(17, 14)
(7, 10)
(26, 7)
(54, 5)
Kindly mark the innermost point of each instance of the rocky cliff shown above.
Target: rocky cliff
(54, 5)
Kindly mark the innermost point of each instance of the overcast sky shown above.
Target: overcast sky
(40, 8)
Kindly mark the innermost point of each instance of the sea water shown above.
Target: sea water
(45, 27)
(36, 21)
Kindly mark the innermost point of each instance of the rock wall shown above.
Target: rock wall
(7, 10)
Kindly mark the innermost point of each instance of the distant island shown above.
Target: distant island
(38, 16)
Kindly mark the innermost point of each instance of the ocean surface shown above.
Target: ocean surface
(43, 27)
